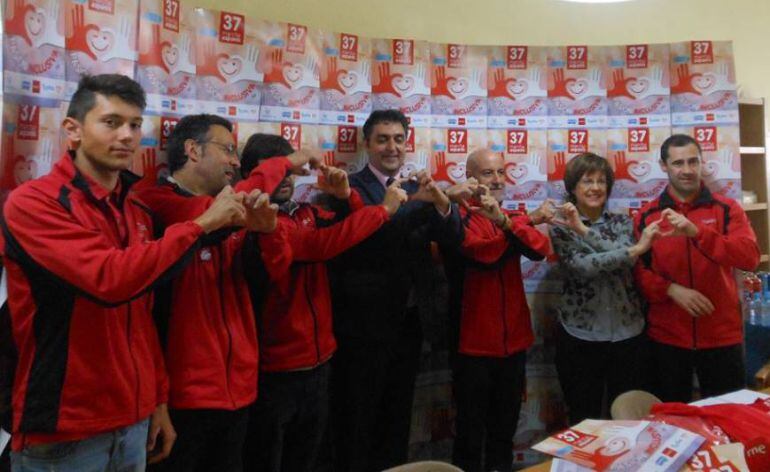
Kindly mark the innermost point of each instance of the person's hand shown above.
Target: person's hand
(490, 208)
(227, 210)
(570, 217)
(428, 191)
(395, 196)
(461, 193)
(160, 428)
(299, 158)
(651, 233)
(545, 213)
(681, 225)
(691, 301)
(334, 181)
(261, 216)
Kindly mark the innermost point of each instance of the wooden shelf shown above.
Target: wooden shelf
(752, 150)
(754, 206)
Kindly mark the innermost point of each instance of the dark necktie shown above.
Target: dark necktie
(389, 182)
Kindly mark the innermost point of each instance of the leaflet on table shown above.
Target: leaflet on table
(703, 86)
(33, 48)
(100, 37)
(418, 150)
(721, 167)
(450, 148)
(346, 85)
(563, 145)
(291, 64)
(458, 85)
(32, 139)
(634, 154)
(228, 54)
(165, 65)
(300, 136)
(525, 152)
(577, 86)
(517, 87)
(623, 445)
(638, 85)
(401, 78)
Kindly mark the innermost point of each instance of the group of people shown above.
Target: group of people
(207, 322)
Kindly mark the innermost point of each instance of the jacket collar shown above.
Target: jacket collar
(668, 201)
(93, 190)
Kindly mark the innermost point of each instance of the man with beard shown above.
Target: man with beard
(694, 318)
(294, 312)
(489, 312)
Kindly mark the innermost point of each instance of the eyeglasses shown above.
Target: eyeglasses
(229, 149)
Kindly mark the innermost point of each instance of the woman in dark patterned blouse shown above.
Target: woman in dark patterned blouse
(601, 343)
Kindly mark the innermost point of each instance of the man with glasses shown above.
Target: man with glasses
(205, 317)
(694, 318)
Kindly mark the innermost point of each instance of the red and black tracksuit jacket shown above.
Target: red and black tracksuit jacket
(705, 263)
(294, 308)
(487, 300)
(81, 263)
(206, 318)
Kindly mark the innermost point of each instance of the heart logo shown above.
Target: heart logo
(99, 40)
(578, 87)
(515, 173)
(457, 173)
(24, 170)
(639, 170)
(457, 87)
(705, 82)
(710, 169)
(516, 88)
(170, 55)
(293, 74)
(637, 86)
(229, 66)
(34, 22)
(347, 80)
(403, 84)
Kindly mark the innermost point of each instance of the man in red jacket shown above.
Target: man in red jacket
(489, 309)
(208, 324)
(694, 317)
(294, 312)
(90, 387)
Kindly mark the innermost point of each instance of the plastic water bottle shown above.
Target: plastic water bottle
(755, 310)
(765, 303)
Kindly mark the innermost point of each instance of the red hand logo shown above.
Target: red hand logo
(498, 85)
(440, 86)
(383, 82)
(330, 160)
(15, 26)
(559, 88)
(595, 460)
(207, 60)
(622, 166)
(149, 170)
(559, 166)
(441, 168)
(684, 80)
(153, 55)
(330, 76)
(77, 31)
(275, 68)
(620, 85)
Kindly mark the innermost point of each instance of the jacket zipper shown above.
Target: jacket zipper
(224, 321)
(689, 270)
(314, 316)
(502, 311)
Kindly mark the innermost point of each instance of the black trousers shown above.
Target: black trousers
(488, 393)
(372, 396)
(287, 421)
(719, 370)
(206, 440)
(587, 368)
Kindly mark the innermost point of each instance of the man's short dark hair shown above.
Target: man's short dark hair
(261, 146)
(384, 116)
(582, 164)
(195, 127)
(108, 85)
(677, 140)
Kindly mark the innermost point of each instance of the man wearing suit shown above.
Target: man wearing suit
(377, 321)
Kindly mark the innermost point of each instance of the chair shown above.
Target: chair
(425, 466)
(633, 405)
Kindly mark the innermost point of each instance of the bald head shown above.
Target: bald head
(488, 168)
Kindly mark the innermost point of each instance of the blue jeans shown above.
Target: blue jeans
(121, 450)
